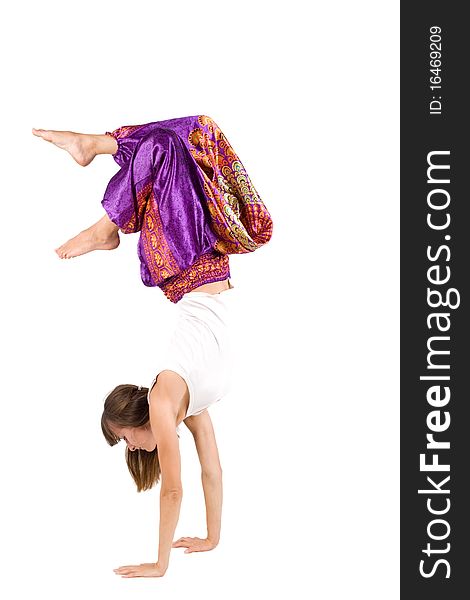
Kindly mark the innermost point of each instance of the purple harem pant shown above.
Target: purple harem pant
(184, 189)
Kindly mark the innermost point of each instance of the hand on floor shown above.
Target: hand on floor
(142, 570)
(194, 544)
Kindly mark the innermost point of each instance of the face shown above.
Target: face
(136, 438)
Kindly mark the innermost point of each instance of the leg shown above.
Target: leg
(103, 235)
(82, 147)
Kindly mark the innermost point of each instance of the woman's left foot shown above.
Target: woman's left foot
(80, 146)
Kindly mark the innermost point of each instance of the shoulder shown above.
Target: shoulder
(170, 392)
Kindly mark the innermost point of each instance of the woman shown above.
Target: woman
(185, 190)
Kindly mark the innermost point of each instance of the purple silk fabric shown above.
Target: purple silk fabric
(184, 188)
(156, 154)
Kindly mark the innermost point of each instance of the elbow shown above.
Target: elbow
(214, 474)
(172, 493)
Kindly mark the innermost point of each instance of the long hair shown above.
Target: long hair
(127, 406)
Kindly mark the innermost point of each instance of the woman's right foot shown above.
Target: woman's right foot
(87, 241)
(80, 146)
(100, 236)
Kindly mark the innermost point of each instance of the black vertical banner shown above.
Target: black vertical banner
(435, 357)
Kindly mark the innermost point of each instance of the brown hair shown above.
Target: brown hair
(127, 406)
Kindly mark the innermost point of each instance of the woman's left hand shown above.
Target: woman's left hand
(143, 570)
(194, 544)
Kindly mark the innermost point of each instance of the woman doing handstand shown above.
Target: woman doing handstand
(184, 189)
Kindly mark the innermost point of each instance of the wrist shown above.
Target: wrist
(214, 540)
(162, 565)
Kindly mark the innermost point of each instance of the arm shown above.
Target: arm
(162, 420)
(211, 475)
(165, 401)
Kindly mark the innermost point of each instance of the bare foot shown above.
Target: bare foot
(100, 236)
(80, 146)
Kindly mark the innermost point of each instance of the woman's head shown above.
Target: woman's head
(126, 416)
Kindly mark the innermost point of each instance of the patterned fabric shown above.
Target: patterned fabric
(239, 217)
(184, 188)
(207, 268)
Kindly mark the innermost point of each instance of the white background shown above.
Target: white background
(308, 438)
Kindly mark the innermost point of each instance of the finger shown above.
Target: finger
(129, 573)
(123, 572)
(184, 543)
(126, 569)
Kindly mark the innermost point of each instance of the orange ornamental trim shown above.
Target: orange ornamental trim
(159, 257)
(208, 268)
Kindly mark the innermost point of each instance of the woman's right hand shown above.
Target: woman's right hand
(142, 570)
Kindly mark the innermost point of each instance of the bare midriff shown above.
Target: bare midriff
(214, 288)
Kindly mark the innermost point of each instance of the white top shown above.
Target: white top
(199, 349)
